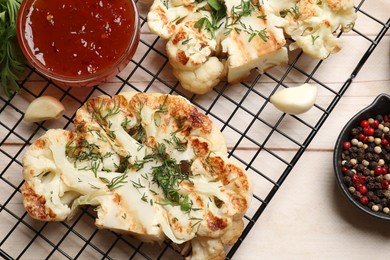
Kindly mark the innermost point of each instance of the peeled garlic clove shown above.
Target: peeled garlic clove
(44, 108)
(295, 100)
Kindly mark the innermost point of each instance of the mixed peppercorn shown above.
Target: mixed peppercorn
(366, 162)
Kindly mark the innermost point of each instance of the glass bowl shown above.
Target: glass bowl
(380, 106)
(36, 27)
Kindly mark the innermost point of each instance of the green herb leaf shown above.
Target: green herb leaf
(314, 38)
(12, 60)
(215, 4)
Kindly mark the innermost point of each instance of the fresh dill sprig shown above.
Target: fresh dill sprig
(168, 175)
(162, 108)
(314, 38)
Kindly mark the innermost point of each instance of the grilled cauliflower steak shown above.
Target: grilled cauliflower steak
(312, 24)
(151, 164)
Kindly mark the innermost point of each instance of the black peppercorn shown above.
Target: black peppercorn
(379, 118)
(378, 133)
(355, 132)
(360, 168)
(370, 186)
(372, 165)
(357, 195)
(347, 180)
(348, 164)
(349, 173)
(370, 195)
(376, 199)
(353, 150)
(370, 179)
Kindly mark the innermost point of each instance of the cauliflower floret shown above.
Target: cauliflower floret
(312, 24)
(256, 41)
(206, 249)
(164, 16)
(189, 47)
(202, 79)
(191, 53)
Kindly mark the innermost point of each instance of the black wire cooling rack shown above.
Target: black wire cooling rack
(257, 135)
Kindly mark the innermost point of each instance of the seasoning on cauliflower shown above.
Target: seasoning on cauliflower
(244, 35)
(191, 51)
(151, 164)
(164, 16)
(254, 39)
(189, 47)
(312, 24)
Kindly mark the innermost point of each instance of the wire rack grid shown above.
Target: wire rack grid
(257, 134)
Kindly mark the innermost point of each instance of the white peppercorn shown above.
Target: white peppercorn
(353, 162)
(377, 149)
(365, 163)
(354, 141)
(377, 141)
(381, 162)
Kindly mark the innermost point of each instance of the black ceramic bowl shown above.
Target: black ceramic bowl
(381, 105)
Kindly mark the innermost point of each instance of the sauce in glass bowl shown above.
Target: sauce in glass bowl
(78, 43)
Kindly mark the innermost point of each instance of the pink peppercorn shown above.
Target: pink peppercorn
(378, 170)
(346, 145)
(362, 189)
(364, 124)
(369, 131)
(364, 200)
(375, 124)
(385, 184)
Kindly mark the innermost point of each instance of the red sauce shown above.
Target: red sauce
(76, 38)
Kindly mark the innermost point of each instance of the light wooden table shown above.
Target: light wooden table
(308, 218)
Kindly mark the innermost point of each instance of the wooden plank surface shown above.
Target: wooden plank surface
(307, 219)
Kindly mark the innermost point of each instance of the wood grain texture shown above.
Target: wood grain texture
(307, 219)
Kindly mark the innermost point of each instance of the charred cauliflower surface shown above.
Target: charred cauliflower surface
(213, 40)
(151, 164)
